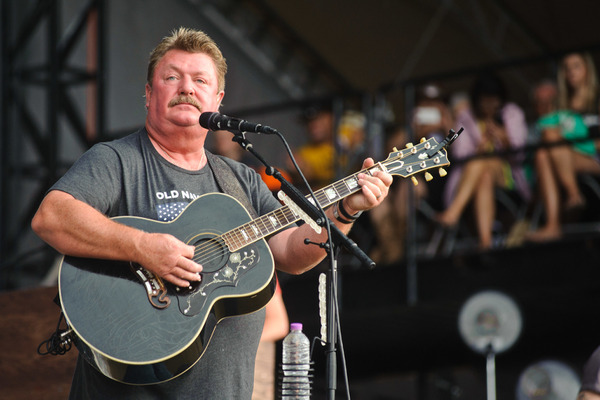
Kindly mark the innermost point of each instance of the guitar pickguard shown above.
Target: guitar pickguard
(155, 288)
(194, 299)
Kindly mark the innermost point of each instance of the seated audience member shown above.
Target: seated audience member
(544, 97)
(556, 169)
(389, 222)
(491, 125)
(544, 100)
(351, 136)
(432, 116)
(557, 166)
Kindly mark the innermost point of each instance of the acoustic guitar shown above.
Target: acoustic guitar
(137, 329)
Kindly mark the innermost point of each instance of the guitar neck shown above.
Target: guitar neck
(274, 221)
(414, 159)
(342, 188)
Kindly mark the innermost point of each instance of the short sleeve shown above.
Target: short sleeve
(94, 178)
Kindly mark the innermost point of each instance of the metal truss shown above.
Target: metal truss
(45, 96)
(270, 44)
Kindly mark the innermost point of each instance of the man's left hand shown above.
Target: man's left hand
(374, 189)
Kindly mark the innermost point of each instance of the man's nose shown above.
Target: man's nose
(187, 87)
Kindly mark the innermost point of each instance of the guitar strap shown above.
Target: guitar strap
(228, 182)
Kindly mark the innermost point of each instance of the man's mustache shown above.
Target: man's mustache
(183, 99)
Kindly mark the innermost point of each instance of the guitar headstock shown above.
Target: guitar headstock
(422, 157)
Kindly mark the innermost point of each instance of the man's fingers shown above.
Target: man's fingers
(189, 251)
(176, 280)
(185, 271)
(373, 192)
(190, 276)
(368, 162)
(374, 185)
(183, 277)
(189, 265)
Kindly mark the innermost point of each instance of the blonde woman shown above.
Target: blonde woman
(557, 167)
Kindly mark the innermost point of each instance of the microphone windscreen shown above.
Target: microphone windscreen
(206, 120)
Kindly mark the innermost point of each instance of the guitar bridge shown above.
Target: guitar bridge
(155, 288)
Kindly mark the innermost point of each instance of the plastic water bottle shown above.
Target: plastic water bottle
(296, 365)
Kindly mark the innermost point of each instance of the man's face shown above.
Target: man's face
(183, 86)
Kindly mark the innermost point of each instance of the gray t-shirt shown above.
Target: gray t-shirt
(128, 177)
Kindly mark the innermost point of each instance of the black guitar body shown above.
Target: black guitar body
(126, 334)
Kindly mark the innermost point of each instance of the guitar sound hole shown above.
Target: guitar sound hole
(211, 253)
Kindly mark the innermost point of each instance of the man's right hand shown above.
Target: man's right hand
(169, 258)
(75, 228)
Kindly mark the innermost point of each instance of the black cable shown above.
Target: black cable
(59, 343)
(340, 341)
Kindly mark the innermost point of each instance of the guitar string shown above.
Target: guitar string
(216, 247)
(235, 238)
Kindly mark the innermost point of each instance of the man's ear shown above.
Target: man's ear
(148, 94)
(220, 96)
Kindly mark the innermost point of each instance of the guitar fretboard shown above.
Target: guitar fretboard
(276, 220)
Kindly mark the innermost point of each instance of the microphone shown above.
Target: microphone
(215, 122)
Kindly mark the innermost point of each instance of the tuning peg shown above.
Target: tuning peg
(428, 176)
(409, 145)
(395, 149)
(414, 180)
(443, 172)
(423, 139)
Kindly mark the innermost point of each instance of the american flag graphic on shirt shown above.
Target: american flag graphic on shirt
(169, 211)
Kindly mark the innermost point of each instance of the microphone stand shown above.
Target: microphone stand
(335, 239)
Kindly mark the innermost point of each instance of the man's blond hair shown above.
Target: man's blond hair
(192, 41)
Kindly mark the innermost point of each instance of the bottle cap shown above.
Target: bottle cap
(296, 326)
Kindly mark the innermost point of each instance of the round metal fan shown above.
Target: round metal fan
(548, 380)
(490, 322)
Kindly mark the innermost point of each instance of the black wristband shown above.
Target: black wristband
(345, 213)
(337, 216)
